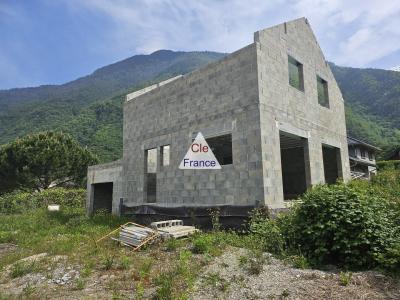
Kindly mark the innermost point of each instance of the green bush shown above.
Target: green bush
(388, 165)
(267, 232)
(339, 224)
(202, 244)
(19, 202)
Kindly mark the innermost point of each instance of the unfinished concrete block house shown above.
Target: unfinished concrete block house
(271, 112)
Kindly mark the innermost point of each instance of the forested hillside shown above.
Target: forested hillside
(372, 99)
(90, 108)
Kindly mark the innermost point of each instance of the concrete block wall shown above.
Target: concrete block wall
(219, 98)
(283, 107)
(246, 94)
(109, 172)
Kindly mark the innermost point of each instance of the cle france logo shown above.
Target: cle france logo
(199, 156)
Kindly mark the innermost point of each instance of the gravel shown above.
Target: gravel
(277, 280)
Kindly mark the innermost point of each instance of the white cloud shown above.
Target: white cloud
(351, 32)
(364, 30)
(183, 25)
(356, 33)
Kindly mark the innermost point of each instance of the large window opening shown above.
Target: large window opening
(151, 175)
(221, 146)
(102, 196)
(332, 163)
(295, 74)
(295, 165)
(322, 89)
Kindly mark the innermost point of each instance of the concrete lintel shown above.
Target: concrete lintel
(288, 128)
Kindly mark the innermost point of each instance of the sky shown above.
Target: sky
(56, 41)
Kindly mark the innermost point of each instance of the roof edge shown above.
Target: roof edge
(149, 88)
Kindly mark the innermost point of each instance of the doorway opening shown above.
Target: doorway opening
(102, 196)
(332, 163)
(295, 165)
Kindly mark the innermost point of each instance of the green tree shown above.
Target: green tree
(43, 160)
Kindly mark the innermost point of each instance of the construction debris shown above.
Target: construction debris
(173, 228)
(133, 235)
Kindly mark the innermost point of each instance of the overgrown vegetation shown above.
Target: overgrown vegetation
(354, 226)
(19, 202)
(342, 225)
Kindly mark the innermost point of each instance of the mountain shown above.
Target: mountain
(397, 68)
(90, 107)
(372, 98)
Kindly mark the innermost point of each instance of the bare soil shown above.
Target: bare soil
(223, 277)
(278, 280)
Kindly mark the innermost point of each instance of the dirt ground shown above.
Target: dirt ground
(223, 277)
(277, 280)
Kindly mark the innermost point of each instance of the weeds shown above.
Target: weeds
(108, 261)
(171, 244)
(124, 262)
(144, 270)
(28, 290)
(20, 269)
(175, 283)
(253, 262)
(215, 280)
(87, 269)
(139, 291)
(207, 243)
(285, 293)
(214, 214)
(298, 261)
(243, 260)
(345, 278)
(165, 286)
(80, 284)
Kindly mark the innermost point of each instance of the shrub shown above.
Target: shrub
(19, 202)
(388, 164)
(339, 224)
(204, 243)
(266, 231)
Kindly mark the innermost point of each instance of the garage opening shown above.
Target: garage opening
(102, 196)
(295, 165)
(332, 163)
(151, 175)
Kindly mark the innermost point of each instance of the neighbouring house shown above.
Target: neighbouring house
(394, 155)
(272, 113)
(362, 158)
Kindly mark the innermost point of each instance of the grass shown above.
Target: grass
(40, 231)
(170, 269)
(20, 269)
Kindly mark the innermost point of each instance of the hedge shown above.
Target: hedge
(388, 165)
(19, 202)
